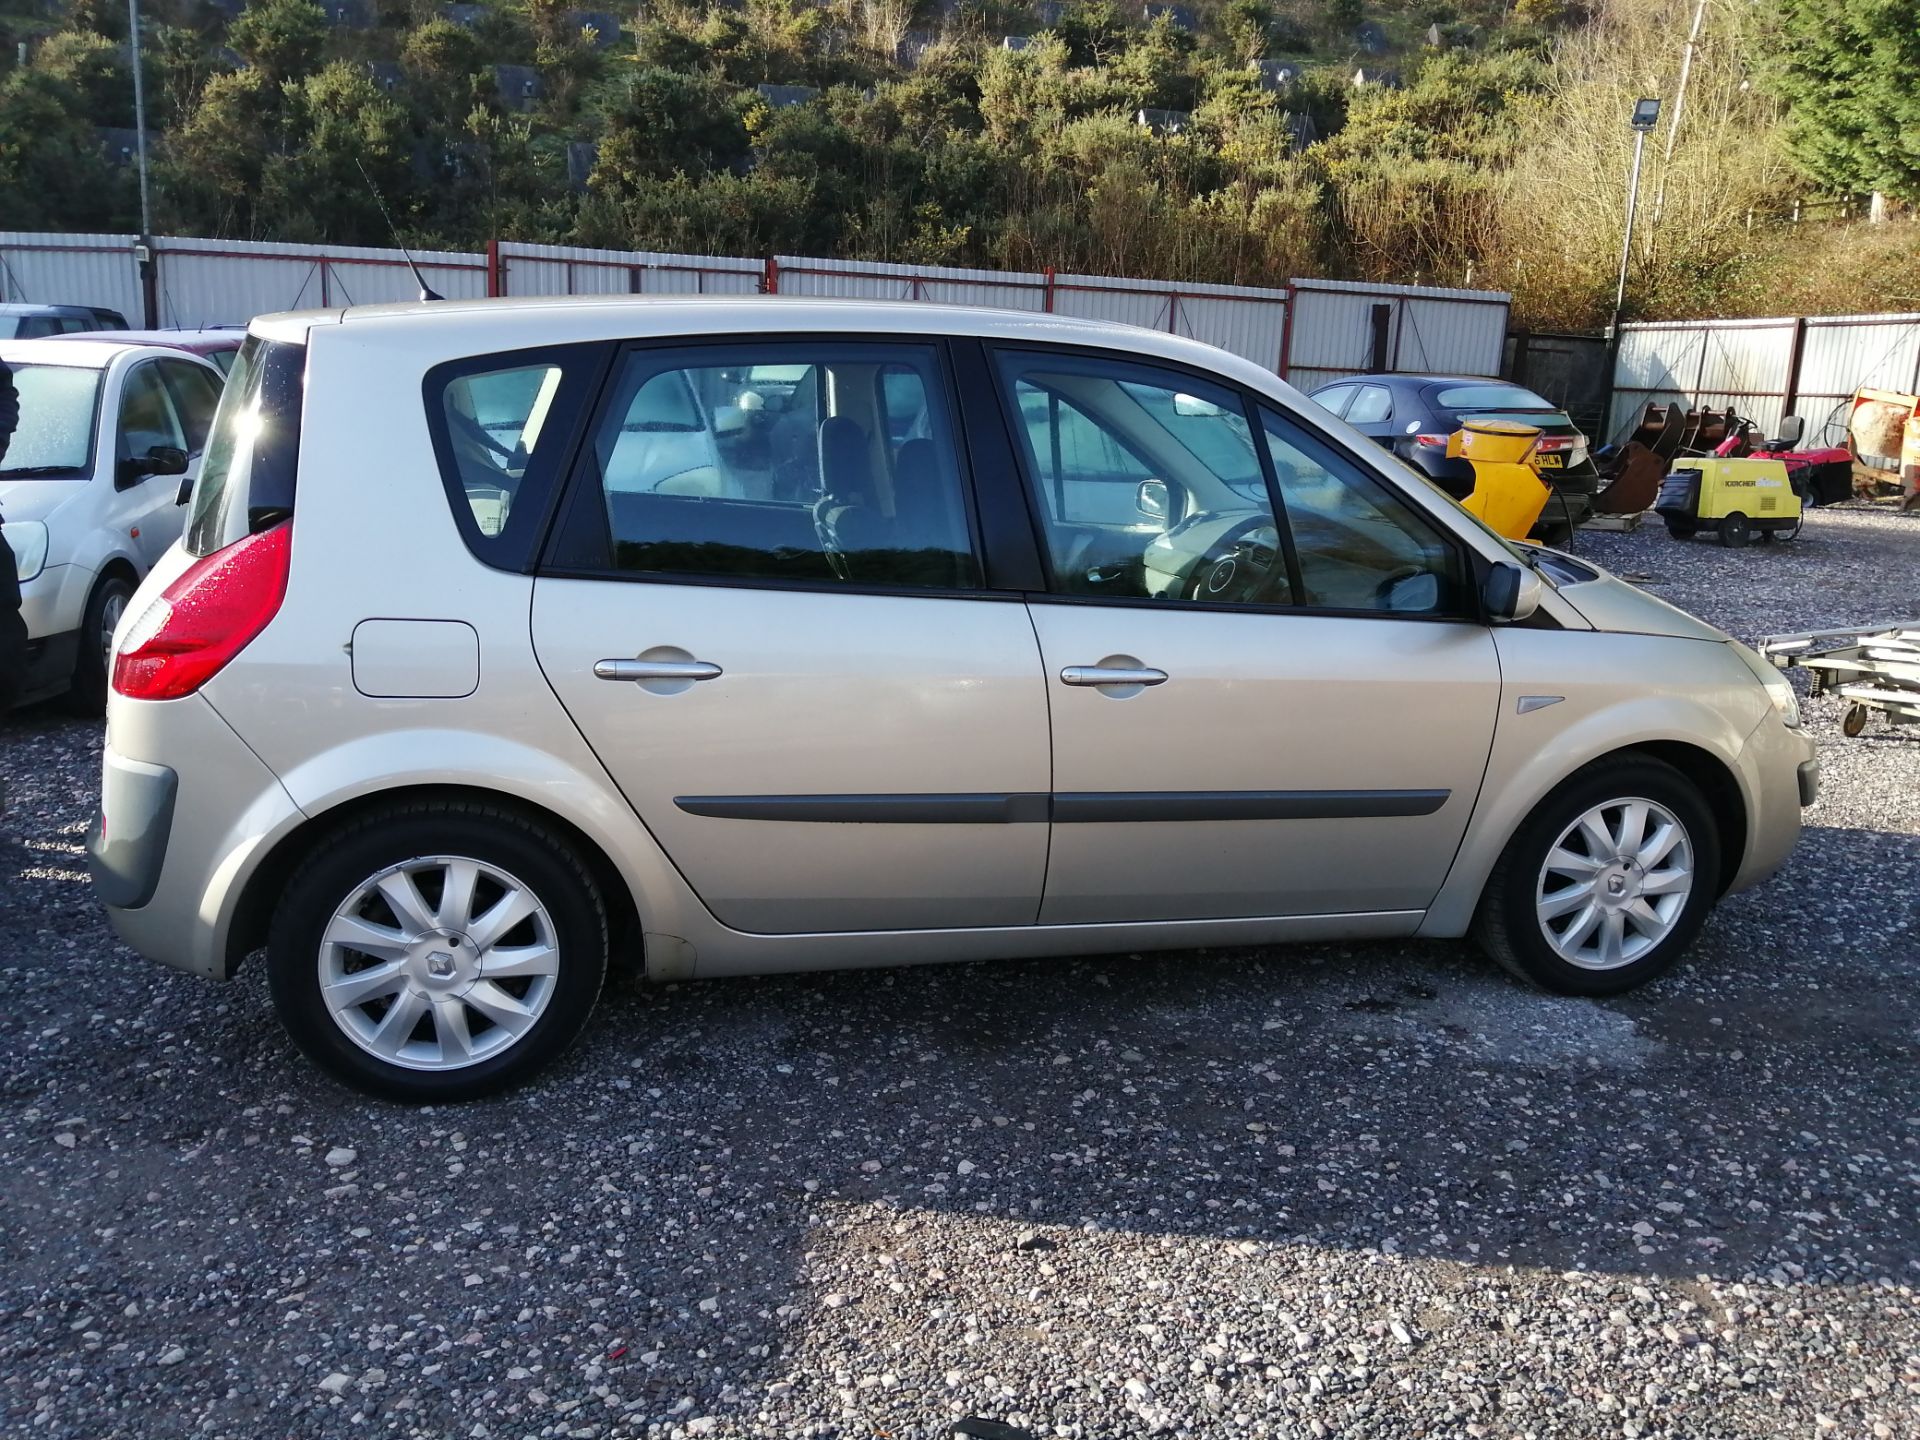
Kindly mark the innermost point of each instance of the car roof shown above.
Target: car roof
(197, 341)
(518, 322)
(83, 351)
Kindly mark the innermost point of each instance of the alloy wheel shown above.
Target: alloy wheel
(439, 962)
(1614, 884)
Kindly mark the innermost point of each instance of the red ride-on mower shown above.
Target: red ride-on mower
(1820, 477)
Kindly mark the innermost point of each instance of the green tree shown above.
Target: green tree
(662, 123)
(90, 65)
(1848, 70)
(53, 175)
(280, 38)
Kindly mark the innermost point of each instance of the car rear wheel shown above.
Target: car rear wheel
(438, 951)
(1606, 883)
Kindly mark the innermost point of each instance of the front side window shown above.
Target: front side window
(828, 462)
(58, 405)
(147, 417)
(196, 395)
(1359, 546)
(1149, 482)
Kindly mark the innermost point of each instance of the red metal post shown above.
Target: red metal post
(1049, 289)
(770, 283)
(496, 270)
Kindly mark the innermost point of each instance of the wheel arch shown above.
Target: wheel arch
(253, 912)
(1453, 909)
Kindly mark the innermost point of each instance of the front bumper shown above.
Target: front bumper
(171, 874)
(1780, 774)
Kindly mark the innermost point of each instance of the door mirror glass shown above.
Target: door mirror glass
(1510, 593)
(1154, 500)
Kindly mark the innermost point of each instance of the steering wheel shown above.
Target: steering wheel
(1240, 566)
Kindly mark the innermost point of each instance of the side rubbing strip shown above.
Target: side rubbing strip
(873, 809)
(1088, 807)
(1175, 805)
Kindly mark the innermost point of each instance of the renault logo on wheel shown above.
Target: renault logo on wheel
(440, 964)
(1616, 885)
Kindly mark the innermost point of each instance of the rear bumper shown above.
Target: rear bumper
(174, 845)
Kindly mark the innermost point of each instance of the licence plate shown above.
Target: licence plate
(1550, 462)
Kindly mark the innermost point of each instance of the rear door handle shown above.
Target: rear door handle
(1112, 675)
(655, 670)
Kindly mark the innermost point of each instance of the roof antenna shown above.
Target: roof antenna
(427, 292)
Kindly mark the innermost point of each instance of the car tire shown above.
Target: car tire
(1532, 912)
(87, 693)
(492, 953)
(1555, 534)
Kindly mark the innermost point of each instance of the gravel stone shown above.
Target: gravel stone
(1347, 1190)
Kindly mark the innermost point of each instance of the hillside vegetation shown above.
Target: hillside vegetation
(1495, 154)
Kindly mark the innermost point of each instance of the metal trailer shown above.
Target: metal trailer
(1873, 667)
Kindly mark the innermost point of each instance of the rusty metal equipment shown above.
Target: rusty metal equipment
(1872, 667)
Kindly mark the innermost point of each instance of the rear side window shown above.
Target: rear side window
(814, 463)
(1372, 405)
(502, 427)
(253, 450)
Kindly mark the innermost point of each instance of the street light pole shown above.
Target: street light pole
(1646, 115)
(140, 116)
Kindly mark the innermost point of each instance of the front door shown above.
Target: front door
(1257, 709)
(765, 611)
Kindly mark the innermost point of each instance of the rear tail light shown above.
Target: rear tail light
(205, 618)
(1556, 442)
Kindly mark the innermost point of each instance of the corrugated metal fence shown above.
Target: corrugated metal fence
(1765, 369)
(1311, 331)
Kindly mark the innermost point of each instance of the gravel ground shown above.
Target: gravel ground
(1366, 1190)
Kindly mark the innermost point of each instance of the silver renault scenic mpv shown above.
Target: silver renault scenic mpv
(743, 635)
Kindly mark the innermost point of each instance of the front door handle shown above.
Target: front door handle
(1112, 675)
(655, 670)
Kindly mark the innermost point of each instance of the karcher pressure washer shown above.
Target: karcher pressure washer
(1735, 499)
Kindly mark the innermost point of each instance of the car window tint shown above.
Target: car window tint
(1149, 482)
(828, 463)
(1335, 398)
(1359, 546)
(1489, 395)
(495, 421)
(196, 395)
(1371, 405)
(147, 417)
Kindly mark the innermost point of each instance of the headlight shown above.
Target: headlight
(28, 539)
(1779, 689)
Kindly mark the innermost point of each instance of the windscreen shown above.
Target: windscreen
(58, 407)
(247, 477)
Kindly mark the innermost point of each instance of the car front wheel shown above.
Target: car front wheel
(438, 951)
(1607, 883)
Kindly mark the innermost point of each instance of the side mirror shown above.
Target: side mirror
(160, 460)
(1154, 499)
(1511, 592)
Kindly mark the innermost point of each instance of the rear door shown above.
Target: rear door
(765, 610)
(1281, 704)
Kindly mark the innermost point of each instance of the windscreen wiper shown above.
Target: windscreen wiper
(29, 472)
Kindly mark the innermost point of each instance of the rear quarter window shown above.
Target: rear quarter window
(504, 427)
(248, 475)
